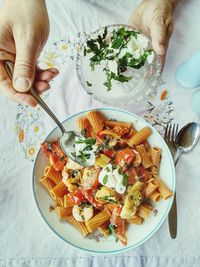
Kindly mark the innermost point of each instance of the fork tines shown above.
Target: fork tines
(171, 131)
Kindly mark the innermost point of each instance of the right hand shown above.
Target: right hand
(24, 29)
(155, 19)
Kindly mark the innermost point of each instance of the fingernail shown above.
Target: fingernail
(21, 84)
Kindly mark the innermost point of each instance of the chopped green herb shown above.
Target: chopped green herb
(84, 132)
(102, 49)
(109, 199)
(125, 177)
(84, 204)
(88, 84)
(105, 32)
(105, 179)
(107, 169)
(112, 231)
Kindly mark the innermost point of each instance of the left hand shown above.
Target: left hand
(154, 19)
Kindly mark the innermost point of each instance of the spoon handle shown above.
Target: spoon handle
(177, 156)
(9, 67)
(172, 218)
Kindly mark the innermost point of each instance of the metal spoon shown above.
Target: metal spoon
(186, 139)
(67, 140)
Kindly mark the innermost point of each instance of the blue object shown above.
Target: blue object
(195, 102)
(188, 73)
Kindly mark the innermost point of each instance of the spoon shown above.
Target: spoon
(67, 140)
(186, 139)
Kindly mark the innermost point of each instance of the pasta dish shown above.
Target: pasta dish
(120, 185)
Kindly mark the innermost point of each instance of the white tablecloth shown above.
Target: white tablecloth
(25, 240)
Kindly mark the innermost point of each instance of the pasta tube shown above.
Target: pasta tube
(144, 211)
(139, 137)
(155, 156)
(47, 183)
(60, 201)
(97, 220)
(152, 185)
(79, 225)
(156, 196)
(135, 220)
(96, 120)
(53, 174)
(68, 202)
(59, 190)
(146, 160)
(83, 123)
(63, 212)
(112, 124)
(163, 189)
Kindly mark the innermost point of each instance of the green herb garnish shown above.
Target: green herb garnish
(105, 179)
(125, 177)
(112, 231)
(84, 132)
(84, 204)
(88, 84)
(109, 199)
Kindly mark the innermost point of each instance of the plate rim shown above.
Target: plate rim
(123, 249)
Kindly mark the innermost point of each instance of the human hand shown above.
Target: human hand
(155, 19)
(24, 29)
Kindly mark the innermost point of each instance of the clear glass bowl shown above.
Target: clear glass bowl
(144, 82)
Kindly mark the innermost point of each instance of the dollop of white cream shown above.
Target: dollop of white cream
(112, 179)
(135, 46)
(80, 147)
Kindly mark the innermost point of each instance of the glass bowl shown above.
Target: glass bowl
(144, 82)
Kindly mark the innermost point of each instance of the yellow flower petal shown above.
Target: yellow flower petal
(21, 136)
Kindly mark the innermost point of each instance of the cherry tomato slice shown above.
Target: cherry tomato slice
(109, 153)
(89, 195)
(77, 196)
(125, 157)
(131, 176)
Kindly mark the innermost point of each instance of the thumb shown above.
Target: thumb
(158, 36)
(25, 64)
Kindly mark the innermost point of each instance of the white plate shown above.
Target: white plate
(136, 234)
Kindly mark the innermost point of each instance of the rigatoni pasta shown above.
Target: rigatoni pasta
(52, 174)
(146, 160)
(59, 190)
(139, 137)
(118, 189)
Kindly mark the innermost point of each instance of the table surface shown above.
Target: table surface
(25, 239)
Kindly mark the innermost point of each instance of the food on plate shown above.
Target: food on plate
(118, 189)
(118, 52)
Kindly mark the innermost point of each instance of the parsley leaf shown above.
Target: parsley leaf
(112, 231)
(105, 179)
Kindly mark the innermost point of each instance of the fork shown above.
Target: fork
(171, 132)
